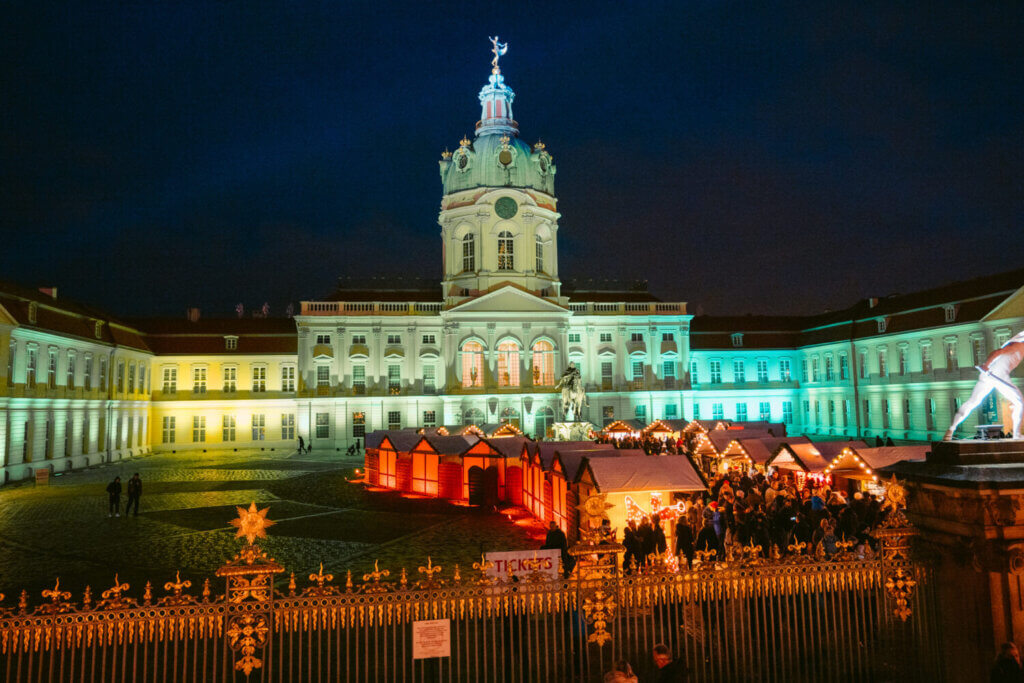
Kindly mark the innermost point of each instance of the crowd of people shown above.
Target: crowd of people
(651, 445)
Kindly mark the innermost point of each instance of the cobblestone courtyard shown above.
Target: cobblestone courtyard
(63, 529)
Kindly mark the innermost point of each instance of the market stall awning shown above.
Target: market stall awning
(642, 473)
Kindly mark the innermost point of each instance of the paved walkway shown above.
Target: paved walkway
(187, 499)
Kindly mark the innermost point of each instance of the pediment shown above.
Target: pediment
(1011, 307)
(508, 299)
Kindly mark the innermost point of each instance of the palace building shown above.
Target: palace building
(485, 345)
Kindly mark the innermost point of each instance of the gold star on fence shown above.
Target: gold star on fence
(251, 523)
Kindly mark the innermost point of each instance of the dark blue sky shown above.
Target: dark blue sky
(741, 157)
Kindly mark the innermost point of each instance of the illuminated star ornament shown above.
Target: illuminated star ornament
(251, 523)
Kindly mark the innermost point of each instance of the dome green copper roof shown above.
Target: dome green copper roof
(498, 161)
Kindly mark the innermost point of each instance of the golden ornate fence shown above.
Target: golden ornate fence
(794, 618)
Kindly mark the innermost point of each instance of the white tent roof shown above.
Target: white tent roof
(645, 473)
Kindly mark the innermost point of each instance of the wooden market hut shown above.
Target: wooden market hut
(830, 449)
(381, 456)
(433, 467)
(639, 478)
(564, 468)
(665, 429)
(855, 469)
(537, 471)
(801, 460)
(619, 429)
(756, 451)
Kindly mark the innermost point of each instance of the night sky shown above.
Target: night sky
(744, 158)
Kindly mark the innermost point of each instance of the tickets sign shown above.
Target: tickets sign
(521, 562)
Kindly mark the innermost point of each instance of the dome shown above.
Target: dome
(498, 161)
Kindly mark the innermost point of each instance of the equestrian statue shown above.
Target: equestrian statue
(574, 396)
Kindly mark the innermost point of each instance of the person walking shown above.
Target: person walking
(114, 492)
(302, 444)
(134, 493)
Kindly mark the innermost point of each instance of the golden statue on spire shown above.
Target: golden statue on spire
(498, 49)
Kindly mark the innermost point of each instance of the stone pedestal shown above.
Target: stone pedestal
(967, 501)
(573, 431)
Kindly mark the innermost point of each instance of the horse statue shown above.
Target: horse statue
(574, 397)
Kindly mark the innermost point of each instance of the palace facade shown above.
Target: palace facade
(486, 346)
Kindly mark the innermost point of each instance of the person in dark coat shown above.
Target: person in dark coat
(647, 543)
(631, 541)
(707, 540)
(556, 540)
(684, 541)
(1007, 667)
(669, 670)
(114, 492)
(134, 493)
(660, 542)
(302, 444)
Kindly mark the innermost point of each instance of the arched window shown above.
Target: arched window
(472, 364)
(505, 250)
(540, 255)
(473, 416)
(468, 254)
(508, 364)
(542, 421)
(543, 364)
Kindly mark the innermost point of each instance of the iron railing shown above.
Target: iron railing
(745, 618)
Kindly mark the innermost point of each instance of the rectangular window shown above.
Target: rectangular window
(867, 412)
(764, 411)
(230, 380)
(394, 379)
(785, 370)
(51, 370)
(829, 369)
(606, 375)
(694, 380)
(807, 412)
(168, 433)
(103, 373)
(288, 378)
(640, 410)
(227, 431)
(844, 367)
(883, 370)
(323, 375)
(926, 358)
(394, 339)
(198, 428)
(142, 378)
(906, 414)
(323, 425)
(198, 380)
(787, 412)
(287, 426)
(815, 370)
(429, 379)
(638, 369)
(359, 339)
(929, 417)
(696, 410)
(69, 382)
(671, 411)
(574, 337)
(952, 362)
(636, 336)
(741, 412)
(608, 413)
(120, 377)
(12, 352)
(716, 371)
(429, 418)
(846, 412)
(717, 411)
(131, 378)
(87, 372)
(606, 337)
(901, 361)
(539, 255)
(817, 412)
(885, 414)
(831, 413)
(259, 427)
(468, 254)
(428, 340)
(394, 419)
(323, 339)
(739, 372)
(358, 425)
(170, 380)
(1002, 336)
(862, 363)
(259, 379)
(803, 370)
(668, 336)
(668, 369)
(230, 343)
(762, 371)
(978, 350)
(359, 379)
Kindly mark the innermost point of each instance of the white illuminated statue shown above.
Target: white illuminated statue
(499, 49)
(574, 397)
(995, 374)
